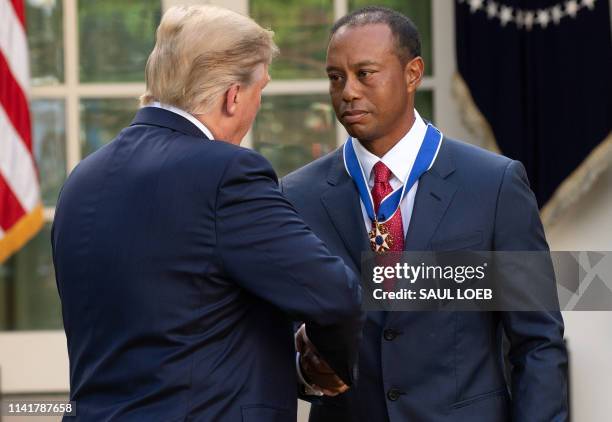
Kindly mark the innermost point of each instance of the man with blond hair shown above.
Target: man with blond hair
(179, 264)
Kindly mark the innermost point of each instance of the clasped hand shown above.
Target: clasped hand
(314, 368)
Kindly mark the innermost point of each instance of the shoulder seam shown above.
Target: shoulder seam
(499, 189)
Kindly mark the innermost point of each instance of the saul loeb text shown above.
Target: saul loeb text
(388, 276)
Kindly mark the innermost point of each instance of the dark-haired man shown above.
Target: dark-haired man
(424, 366)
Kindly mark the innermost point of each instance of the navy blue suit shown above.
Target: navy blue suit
(180, 268)
(443, 366)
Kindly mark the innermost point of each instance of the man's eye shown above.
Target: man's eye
(364, 73)
(334, 77)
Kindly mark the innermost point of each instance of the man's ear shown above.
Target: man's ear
(413, 72)
(231, 99)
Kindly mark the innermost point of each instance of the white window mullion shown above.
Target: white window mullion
(297, 86)
(48, 92)
(71, 66)
(111, 90)
(446, 110)
(340, 8)
(240, 6)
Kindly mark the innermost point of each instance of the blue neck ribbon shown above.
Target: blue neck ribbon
(389, 205)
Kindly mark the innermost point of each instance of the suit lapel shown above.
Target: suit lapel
(434, 196)
(341, 201)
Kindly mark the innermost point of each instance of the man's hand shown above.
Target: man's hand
(315, 369)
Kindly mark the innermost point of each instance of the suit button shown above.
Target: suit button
(393, 394)
(390, 334)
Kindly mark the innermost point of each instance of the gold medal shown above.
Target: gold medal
(380, 238)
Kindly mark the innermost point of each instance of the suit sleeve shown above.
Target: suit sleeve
(268, 250)
(537, 350)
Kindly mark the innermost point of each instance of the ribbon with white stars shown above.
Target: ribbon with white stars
(527, 19)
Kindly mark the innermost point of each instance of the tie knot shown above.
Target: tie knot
(382, 174)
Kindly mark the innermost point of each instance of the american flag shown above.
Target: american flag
(21, 212)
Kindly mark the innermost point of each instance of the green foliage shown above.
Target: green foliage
(45, 42)
(116, 38)
(419, 11)
(301, 31)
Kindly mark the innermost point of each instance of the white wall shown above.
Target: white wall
(588, 226)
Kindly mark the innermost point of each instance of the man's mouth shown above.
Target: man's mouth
(353, 116)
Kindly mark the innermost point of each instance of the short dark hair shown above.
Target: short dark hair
(407, 38)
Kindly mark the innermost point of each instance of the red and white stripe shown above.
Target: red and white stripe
(19, 186)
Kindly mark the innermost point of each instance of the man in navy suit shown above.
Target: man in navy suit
(179, 264)
(424, 366)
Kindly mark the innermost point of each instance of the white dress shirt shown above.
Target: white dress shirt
(399, 160)
(186, 115)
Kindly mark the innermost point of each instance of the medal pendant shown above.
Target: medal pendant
(380, 238)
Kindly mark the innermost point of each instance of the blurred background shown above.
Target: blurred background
(87, 63)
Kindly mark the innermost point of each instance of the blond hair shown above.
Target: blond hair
(200, 51)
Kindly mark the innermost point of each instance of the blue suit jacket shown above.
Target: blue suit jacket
(435, 366)
(180, 268)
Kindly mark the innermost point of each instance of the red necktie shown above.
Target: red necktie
(382, 188)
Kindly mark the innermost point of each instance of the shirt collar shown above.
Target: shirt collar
(186, 115)
(398, 159)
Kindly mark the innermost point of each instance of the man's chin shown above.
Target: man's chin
(358, 131)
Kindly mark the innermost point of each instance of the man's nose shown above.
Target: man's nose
(351, 89)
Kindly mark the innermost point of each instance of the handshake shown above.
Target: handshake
(319, 376)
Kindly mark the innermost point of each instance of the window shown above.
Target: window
(87, 69)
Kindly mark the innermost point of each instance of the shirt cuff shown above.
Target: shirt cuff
(309, 389)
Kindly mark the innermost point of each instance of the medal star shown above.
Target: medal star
(379, 239)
